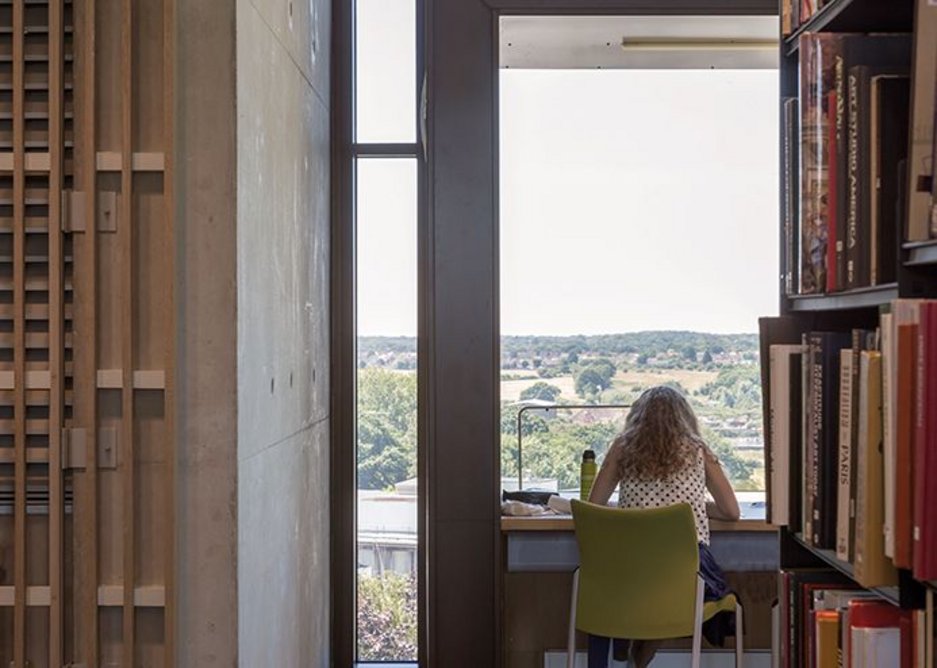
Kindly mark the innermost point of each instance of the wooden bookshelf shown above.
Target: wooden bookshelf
(916, 267)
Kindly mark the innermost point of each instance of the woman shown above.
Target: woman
(660, 459)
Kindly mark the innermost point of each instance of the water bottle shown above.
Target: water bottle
(587, 471)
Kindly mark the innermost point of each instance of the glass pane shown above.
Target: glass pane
(623, 216)
(387, 419)
(385, 84)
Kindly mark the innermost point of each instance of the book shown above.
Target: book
(797, 586)
(772, 330)
(889, 380)
(874, 633)
(876, 647)
(785, 425)
(861, 340)
(890, 99)
(790, 148)
(906, 314)
(843, 505)
(827, 633)
(822, 445)
(871, 567)
(826, 58)
(925, 445)
(923, 91)
(816, 82)
(872, 122)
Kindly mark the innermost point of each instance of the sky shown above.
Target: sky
(630, 199)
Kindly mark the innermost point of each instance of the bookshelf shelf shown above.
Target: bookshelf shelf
(890, 594)
(854, 299)
(920, 254)
(855, 15)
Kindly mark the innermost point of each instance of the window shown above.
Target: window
(639, 212)
(386, 168)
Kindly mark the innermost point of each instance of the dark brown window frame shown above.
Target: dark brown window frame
(459, 555)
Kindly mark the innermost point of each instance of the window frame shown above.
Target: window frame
(457, 152)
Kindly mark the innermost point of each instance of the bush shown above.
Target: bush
(387, 618)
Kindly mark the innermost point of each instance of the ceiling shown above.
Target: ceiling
(650, 42)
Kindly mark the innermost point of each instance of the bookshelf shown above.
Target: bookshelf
(854, 16)
(860, 298)
(921, 254)
(913, 273)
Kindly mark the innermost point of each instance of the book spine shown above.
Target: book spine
(838, 175)
(816, 52)
(833, 228)
(858, 337)
(906, 321)
(845, 431)
(796, 428)
(920, 439)
(772, 437)
(888, 430)
(922, 123)
(808, 462)
(929, 522)
(815, 442)
(856, 245)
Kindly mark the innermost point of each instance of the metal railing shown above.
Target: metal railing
(547, 409)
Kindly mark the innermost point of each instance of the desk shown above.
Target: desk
(548, 544)
(540, 554)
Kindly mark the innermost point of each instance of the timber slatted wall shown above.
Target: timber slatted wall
(87, 325)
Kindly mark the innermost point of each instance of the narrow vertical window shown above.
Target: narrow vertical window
(386, 205)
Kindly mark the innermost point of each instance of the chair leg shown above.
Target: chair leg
(571, 639)
(698, 624)
(739, 635)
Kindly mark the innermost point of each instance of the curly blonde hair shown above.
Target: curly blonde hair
(661, 436)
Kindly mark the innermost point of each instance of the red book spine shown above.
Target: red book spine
(906, 624)
(832, 230)
(904, 466)
(873, 614)
(925, 442)
(929, 519)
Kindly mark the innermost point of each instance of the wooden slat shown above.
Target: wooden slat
(33, 456)
(85, 510)
(148, 596)
(36, 596)
(19, 349)
(113, 161)
(169, 55)
(126, 277)
(56, 372)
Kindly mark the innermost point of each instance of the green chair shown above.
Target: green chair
(638, 577)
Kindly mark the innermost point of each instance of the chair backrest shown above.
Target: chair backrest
(638, 571)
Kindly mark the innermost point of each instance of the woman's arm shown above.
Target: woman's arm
(725, 506)
(607, 479)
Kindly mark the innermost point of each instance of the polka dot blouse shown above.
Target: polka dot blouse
(688, 486)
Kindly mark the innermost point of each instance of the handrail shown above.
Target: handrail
(552, 407)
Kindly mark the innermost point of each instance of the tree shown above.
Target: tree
(541, 391)
(642, 359)
(689, 353)
(386, 427)
(707, 358)
(590, 382)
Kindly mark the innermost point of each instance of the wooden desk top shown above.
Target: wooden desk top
(565, 523)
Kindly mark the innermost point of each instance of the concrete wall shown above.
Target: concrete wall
(206, 371)
(282, 332)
